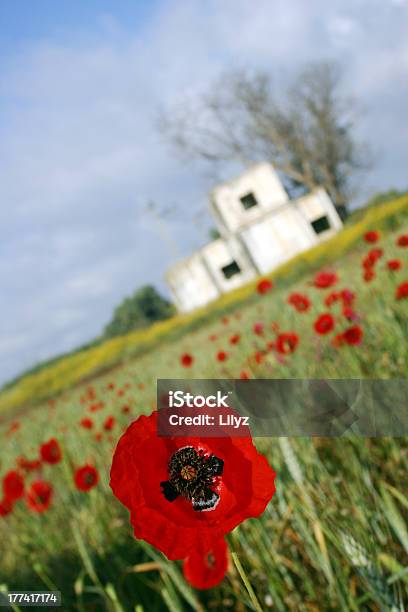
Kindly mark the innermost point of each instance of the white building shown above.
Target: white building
(260, 228)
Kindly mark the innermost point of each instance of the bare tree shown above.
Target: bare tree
(306, 131)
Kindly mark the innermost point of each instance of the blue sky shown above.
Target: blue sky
(80, 86)
(26, 20)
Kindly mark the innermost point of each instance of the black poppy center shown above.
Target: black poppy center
(193, 474)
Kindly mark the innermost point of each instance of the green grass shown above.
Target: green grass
(334, 537)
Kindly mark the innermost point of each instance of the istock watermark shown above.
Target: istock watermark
(285, 407)
(178, 399)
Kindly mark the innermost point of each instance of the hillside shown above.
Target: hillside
(72, 369)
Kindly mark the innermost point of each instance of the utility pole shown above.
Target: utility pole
(163, 228)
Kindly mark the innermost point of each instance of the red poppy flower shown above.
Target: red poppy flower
(259, 357)
(402, 240)
(86, 477)
(322, 280)
(190, 493)
(97, 406)
(394, 264)
(86, 423)
(368, 275)
(300, 302)
(205, 569)
(331, 298)
(374, 255)
(6, 507)
(286, 342)
(222, 356)
(372, 236)
(402, 291)
(186, 360)
(349, 313)
(244, 375)
(13, 485)
(235, 339)
(353, 335)
(111, 386)
(324, 324)
(258, 328)
(28, 465)
(50, 451)
(39, 496)
(347, 296)
(338, 340)
(109, 423)
(264, 285)
(125, 409)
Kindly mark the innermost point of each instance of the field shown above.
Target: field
(334, 536)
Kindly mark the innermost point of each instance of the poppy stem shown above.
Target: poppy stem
(245, 580)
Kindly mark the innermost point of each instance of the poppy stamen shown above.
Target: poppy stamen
(188, 472)
(193, 474)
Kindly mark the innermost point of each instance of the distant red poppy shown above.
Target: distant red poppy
(287, 342)
(111, 386)
(86, 477)
(50, 451)
(125, 409)
(402, 291)
(259, 357)
(264, 285)
(347, 296)
(331, 298)
(324, 324)
(28, 465)
(14, 426)
(6, 507)
(204, 569)
(244, 375)
(235, 339)
(97, 406)
(368, 275)
(186, 360)
(13, 485)
(222, 356)
(394, 264)
(109, 423)
(86, 423)
(258, 328)
(300, 302)
(338, 340)
(353, 335)
(402, 241)
(374, 255)
(39, 496)
(372, 236)
(349, 313)
(322, 280)
(190, 493)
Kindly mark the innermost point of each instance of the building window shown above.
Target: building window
(231, 269)
(321, 224)
(249, 201)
